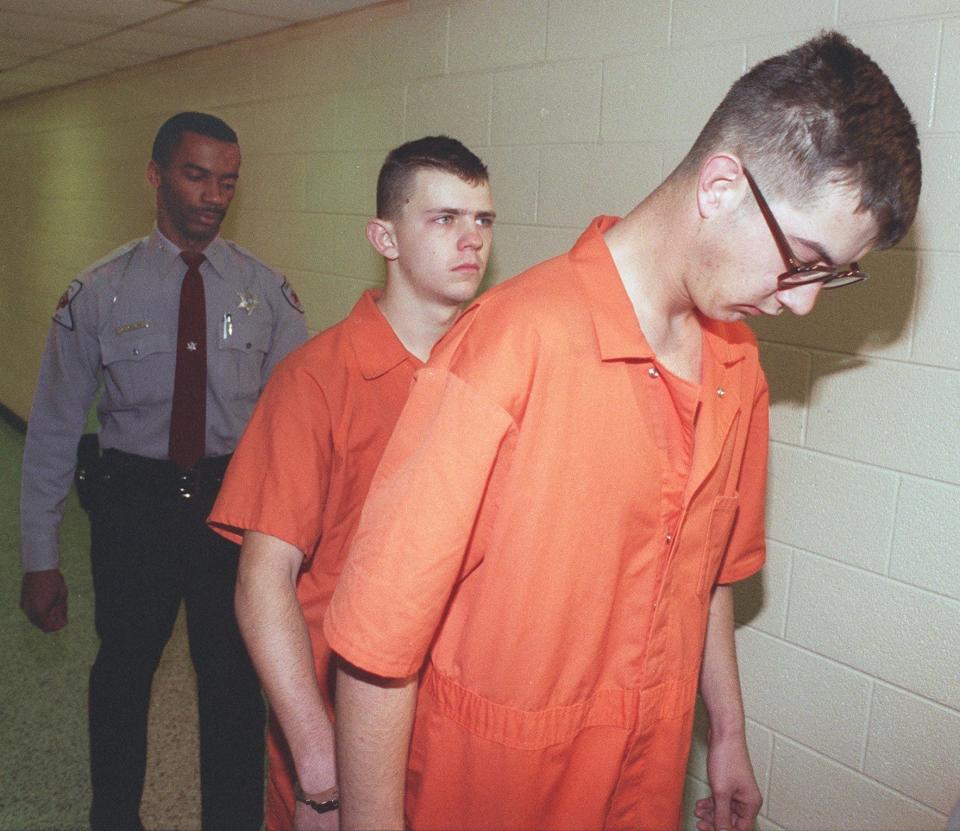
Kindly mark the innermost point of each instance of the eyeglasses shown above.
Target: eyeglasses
(799, 273)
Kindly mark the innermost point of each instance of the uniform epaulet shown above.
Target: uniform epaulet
(63, 314)
(116, 254)
(286, 289)
(243, 252)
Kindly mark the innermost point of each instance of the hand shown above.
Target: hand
(735, 799)
(306, 819)
(43, 597)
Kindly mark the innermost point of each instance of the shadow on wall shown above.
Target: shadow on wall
(748, 599)
(847, 326)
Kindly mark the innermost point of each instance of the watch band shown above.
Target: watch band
(327, 805)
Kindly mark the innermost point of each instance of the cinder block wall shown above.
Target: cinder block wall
(850, 640)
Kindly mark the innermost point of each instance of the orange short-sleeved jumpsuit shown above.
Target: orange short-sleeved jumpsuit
(303, 468)
(543, 540)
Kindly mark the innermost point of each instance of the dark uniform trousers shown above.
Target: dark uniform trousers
(151, 548)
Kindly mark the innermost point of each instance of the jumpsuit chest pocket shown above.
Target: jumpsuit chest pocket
(243, 342)
(136, 361)
(719, 529)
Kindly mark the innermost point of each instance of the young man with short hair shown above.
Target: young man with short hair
(578, 476)
(302, 470)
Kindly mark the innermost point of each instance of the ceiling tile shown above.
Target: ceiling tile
(49, 72)
(95, 55)
(20, 77)
(217, 25)
(12, 90)
(37, 27)
(8, 59)
(27, 48)
(48, 43)
(112, 13)
(291, 10)
(154, 44)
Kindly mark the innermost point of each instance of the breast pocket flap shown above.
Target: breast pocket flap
(134, 345)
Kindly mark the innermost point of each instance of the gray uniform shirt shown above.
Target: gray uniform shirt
(116, 327)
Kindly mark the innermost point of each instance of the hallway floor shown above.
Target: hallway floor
(44, 781)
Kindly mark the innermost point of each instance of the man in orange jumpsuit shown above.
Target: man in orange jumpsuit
(298, 479)
(548, 545)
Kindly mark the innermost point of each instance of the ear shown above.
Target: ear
(721, 185)
(153, 174)
(383, 238)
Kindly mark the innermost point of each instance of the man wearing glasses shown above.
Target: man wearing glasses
(542, 573)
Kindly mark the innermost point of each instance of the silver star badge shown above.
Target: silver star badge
(191, 346)
(248, 301)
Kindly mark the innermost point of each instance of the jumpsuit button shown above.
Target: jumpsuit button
(721, 392)
(652, 372)
(669, 538)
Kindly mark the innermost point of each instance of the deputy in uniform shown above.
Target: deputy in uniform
(181, 331)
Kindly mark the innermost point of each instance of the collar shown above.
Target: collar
(376, 345)
(614, 320)
(168, 253)
(619, 335)
(728, 342)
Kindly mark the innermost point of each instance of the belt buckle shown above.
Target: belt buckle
(187, 483)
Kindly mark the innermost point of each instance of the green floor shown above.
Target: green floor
(44, 784)
(43, 678)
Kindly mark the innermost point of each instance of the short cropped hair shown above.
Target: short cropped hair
(172, 130)
(821, 114)
(431, 152)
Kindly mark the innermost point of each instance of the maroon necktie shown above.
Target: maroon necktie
(188, 418)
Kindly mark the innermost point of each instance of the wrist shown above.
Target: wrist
(725, 716)
(727, 731)
(315, 772)
(311, 743)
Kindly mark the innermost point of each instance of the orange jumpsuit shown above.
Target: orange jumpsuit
(535, 534)
(303, 468)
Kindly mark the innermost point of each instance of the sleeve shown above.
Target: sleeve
(416, 525)
(278, 478)
(68, 381)
(746, 550)
(289, 326)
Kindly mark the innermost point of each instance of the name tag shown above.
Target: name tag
(132, 327)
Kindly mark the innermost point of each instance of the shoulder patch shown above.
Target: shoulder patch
(291, 296)
(64, 312)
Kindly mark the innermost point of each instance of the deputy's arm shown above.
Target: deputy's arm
(735, 799)
(66, 387)
(275, 632)
(374, 723)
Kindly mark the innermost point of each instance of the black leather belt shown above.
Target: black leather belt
(163, 475)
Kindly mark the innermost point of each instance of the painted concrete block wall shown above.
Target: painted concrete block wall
(850, 637)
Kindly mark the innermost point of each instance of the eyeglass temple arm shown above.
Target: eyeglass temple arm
(772, 223)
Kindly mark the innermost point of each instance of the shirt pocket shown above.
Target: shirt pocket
(242, 345)
(139, 365)
(719, 529)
